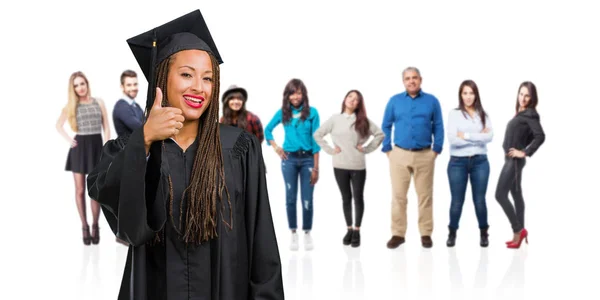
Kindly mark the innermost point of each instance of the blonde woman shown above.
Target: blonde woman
(87, 117)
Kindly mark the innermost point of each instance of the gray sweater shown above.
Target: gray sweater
(343, 135)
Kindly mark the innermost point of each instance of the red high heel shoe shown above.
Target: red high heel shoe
(523, 236)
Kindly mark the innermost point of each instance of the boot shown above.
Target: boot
(355, 238)
(451, 238)
(484, 237)
(95, 234)
(348, 237)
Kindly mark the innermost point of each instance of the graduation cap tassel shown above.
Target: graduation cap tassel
(152, 80)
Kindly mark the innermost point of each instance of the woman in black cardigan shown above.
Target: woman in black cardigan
(524, 135)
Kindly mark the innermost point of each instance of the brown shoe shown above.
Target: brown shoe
(395, 241)
(426, 241)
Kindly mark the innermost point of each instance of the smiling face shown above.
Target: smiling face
(130, 87)
(235, 104)
(524, 97)
(80, 86)
(412, 81)
(190, 83)
(296, 98)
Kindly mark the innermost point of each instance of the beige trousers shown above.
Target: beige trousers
(404, 164)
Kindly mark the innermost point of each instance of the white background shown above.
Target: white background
(332, 47)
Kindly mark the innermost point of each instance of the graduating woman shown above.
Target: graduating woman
(187, 193)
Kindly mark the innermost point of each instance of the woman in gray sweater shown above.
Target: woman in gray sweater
(349, 130)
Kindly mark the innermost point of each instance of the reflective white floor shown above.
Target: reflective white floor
(559, 261)
(43, 257)
(333, 271)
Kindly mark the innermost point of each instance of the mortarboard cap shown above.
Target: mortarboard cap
(184, 33)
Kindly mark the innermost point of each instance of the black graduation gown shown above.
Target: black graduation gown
(241, 263)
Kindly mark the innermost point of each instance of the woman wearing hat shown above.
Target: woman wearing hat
(235, 113)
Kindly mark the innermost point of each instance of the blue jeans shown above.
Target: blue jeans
(460, 170)
(298, 165)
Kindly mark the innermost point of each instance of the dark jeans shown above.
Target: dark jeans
(352, 182)
(460, 170)
(298, 165)
(510, 181)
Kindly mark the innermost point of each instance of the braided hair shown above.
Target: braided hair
(208, 175)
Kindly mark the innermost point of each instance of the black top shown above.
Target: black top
(524, 132)
(186, 32)
(241, 263)
(183, 33)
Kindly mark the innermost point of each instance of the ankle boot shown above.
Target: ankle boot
(355, 238)
(95, 234)
(87, 237)
(348, 237)
(484, 237)
(451, 238)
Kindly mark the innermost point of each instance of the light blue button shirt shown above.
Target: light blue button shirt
(475, 141)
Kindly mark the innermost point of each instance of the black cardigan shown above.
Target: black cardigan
(524, 132)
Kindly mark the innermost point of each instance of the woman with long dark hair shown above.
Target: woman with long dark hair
(469, 131)
(299, 155)
(235, 113)
(524, 136)
(87, 117)
(350, 130)
(189, 195)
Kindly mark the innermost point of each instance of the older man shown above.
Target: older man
(418, 139)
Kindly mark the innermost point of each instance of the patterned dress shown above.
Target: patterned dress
(84, 157)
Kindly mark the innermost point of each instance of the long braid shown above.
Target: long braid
(208, 174)
(161, 81)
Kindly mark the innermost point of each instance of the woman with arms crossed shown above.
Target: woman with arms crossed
(469, 132)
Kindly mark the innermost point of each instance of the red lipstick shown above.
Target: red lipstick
(194, 101)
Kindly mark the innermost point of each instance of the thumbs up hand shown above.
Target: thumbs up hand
(162, 123)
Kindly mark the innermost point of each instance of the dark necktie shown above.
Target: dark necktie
(138, 111)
